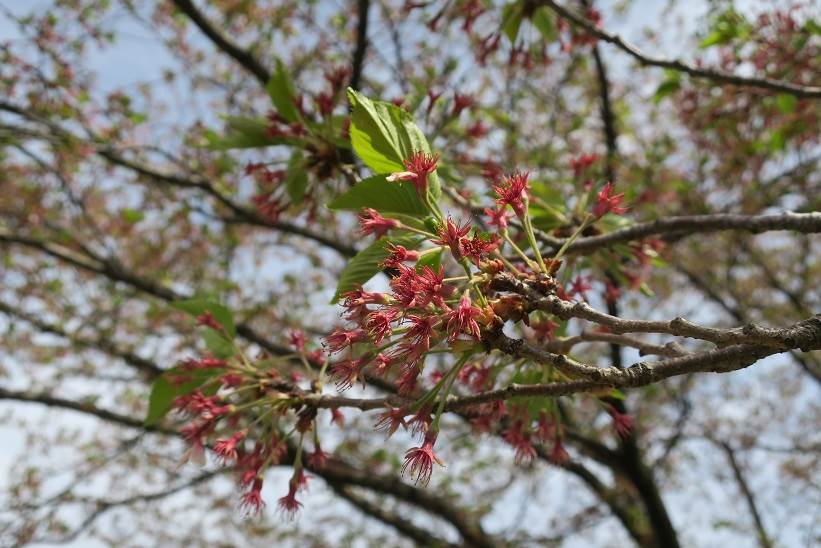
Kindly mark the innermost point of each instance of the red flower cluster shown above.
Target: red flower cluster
(418, 166)
(607, 202)
(513, 192)
(372, 222)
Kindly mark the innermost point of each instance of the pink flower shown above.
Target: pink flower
(580, 287)
(477, 248)
(227, 449)
(252, 501)
(621, 422)
(461, 102)
(378, 323)
(390, 420)
(268, 206)
(582, 163)
(416, 289)
(419, 460)
(288, 504)
(406, 383)
(381, 364)
(207, 319)
(372, 222)
(513, 192)
(420, 332)
(318, 459)
(399, 254)
(337, 417)
(418, 166)
(498, 217)
(462, 319)
(340, 339)
(558, 455)
(449, 234)
(347, 371)
(297, 339)
(606, 202)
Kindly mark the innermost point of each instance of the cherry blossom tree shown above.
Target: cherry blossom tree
(453, 272)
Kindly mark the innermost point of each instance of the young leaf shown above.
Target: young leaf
(164, 390)
(297, 181)
(432, 260)
(217, 343)
(385, 197)
(365, 264)
(383, 135)
(512, 15)
(786, 102)
(544, 21)
(283, 93)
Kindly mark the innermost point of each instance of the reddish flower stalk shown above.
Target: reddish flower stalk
(419, 460)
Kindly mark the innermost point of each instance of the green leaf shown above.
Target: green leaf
(512, 15)
(246, 133)
(666, 88)
(432, 260)
(197, 307)
(217, 343)
(786, 103)
(543, 20)
(365, 264)
(165, 389)
(283, 93)
(385, 197)
(131, 216)
(297, 180)
(383, 135)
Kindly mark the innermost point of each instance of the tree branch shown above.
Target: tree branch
(680, 66)
(807, 223)
(241, 56)
(403, 526)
